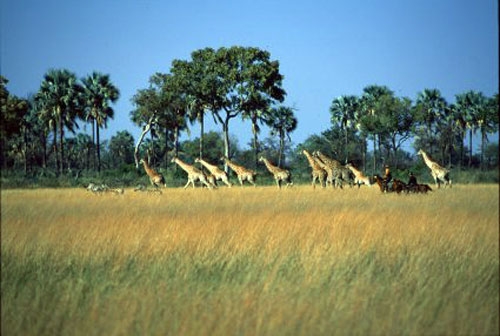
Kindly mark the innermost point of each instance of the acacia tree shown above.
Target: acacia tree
(145, 115)
(369, 120)
(396, 119)
(197, 82)
(248, 81)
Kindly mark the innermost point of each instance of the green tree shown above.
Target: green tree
(201, 85)
(396, 120)
(344, 110)
(247, 79)
(487, 122)
(12, 118)
(59, 101)
(98, 94)
(147, 104)
(282, 122)
(471, 105)
(369, 120)
(121, 148)
(430, 109)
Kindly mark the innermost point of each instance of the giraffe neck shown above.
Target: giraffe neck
(233, 166)
(270, 166)
(324, 158)
(148, 169)
(187, 168)
(427, 160)
(310, 159)
(210, 167)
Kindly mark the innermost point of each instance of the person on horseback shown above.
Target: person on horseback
(412, 182)
(387, 178)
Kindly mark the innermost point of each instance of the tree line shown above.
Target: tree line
(224, 84)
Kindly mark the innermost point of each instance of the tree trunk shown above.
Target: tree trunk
(483, 146)
(282, 147)
(470, 148)
(61, 145)
(202, 132)
(98, 146)
(165, 155)
(145, 130)
(374, 154)
(346, 146)
(255, 144)
(176, 141)
(93, 149)
(225, 130)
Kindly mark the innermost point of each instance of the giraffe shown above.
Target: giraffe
(359, 177)
(243, 173)
(318, 173)
(279, 174)
(217, 173)
(155, 178)
(333, 167)
(439, 173)
(194, 174)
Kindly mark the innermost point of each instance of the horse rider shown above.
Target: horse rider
(387, 178)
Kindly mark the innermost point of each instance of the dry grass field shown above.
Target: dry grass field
(250, 261)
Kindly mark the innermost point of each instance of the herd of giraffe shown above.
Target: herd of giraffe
(324, 171)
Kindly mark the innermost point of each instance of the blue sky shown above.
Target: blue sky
(325, 48)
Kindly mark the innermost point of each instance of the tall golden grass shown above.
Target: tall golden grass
(251, 261)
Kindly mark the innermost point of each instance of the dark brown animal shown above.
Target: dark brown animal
(398, 186)
(381, 183)
(422, 188)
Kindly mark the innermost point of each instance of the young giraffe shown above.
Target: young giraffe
(318, 173)
(243, 173)
(155, 178)
(359, 177)
(333, 168)
(217, 173)
(278, 173)
(438, 173)
(194, 174)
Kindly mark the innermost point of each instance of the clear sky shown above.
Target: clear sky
(325, 48)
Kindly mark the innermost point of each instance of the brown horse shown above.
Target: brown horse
(422, 188)
(398, 186)
(381, 183)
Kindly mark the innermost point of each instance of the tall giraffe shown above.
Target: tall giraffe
(155, 178)
(359, 177)
(215, 171)
(332, 167)
(243, 173)
(318, 173)
(439, 173)
(194, 174)
(279, 174)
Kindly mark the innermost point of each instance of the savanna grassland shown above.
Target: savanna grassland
(250, 261)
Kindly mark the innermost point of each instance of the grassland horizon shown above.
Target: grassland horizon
(250, 261)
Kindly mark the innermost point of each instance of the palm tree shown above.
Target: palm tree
(257, 111)
(344, 110)
(59, 106)
(430, 109)
(282, 121)
(98, 93)
(471, 105)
